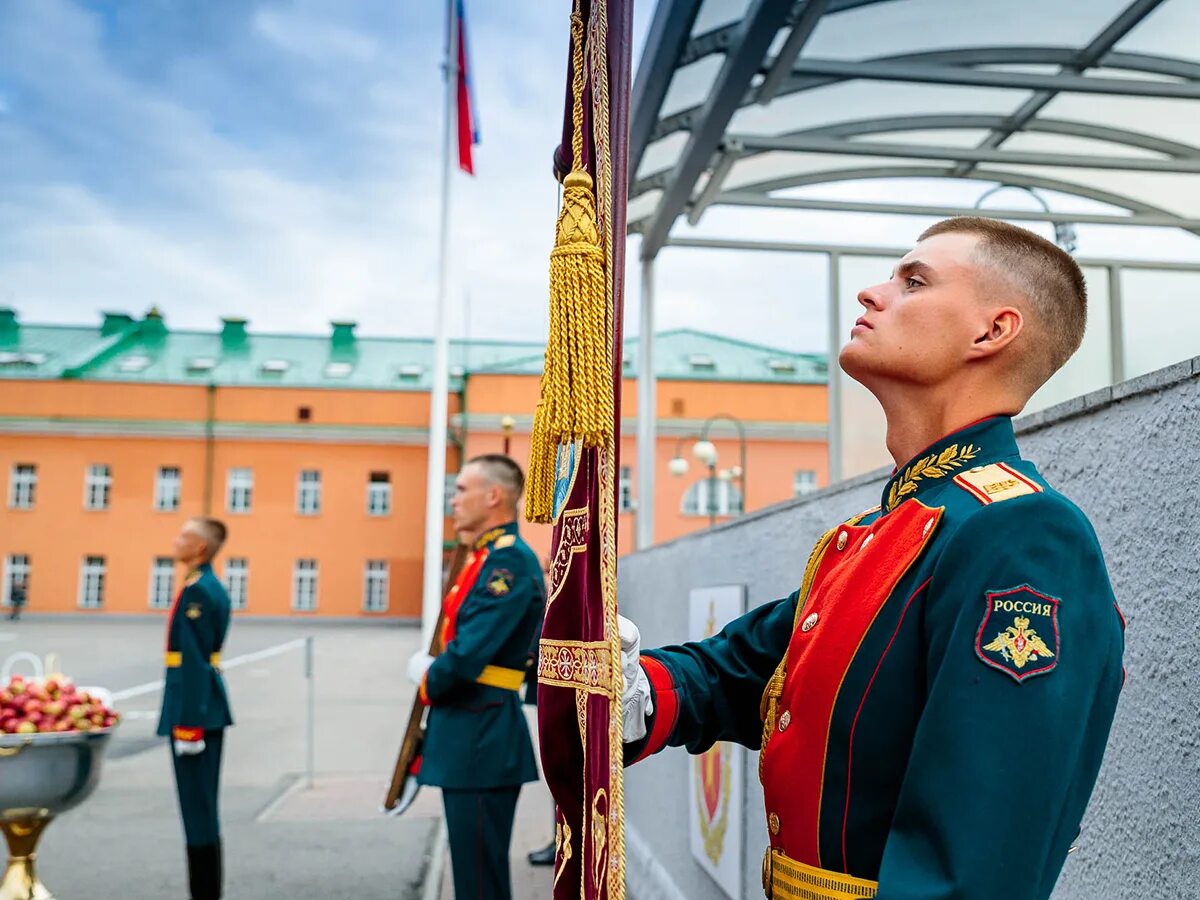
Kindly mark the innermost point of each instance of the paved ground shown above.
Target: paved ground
(283, 838)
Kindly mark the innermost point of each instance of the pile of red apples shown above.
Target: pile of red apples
(42, 706)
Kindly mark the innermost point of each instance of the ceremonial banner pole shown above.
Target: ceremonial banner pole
(435, 490)
(574, 460)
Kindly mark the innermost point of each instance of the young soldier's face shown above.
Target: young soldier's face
(189, 545)
(918, 326)
(473, 499)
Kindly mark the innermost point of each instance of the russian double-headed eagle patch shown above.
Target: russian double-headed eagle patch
(193, 611)
(500, 582)
(1019, 632)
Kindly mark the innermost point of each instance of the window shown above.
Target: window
(237, 580)
(625, 490)
(135, 363)
(238, 489)
(201, 364)
(16, 570)
(91, 582)
(804, 482)
(97, 484)
(162, 582)
(304, 585)
(379, 494)
(308, 493)
(712, 497)
(167, 486)
(448, 493)
(275, 366)
(22, 487)
(338, 370)
(375, 586)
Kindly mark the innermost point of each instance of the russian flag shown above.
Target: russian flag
(468, 125)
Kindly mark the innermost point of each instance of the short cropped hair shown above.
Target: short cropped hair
(1041, 272)
(213, 531)
(503, 471)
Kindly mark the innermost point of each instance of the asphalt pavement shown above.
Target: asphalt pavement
(285, 839)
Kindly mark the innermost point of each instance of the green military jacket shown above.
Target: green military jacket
(476, 735)
(933, 704)
(194, 696)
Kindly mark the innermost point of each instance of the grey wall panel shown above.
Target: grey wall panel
(1130, 457)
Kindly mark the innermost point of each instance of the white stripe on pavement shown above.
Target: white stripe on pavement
(151, 687)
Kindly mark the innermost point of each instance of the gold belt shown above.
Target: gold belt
(786, 879)
(173, 659)
(500, 677)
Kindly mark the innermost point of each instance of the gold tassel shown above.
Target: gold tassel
(576, 390)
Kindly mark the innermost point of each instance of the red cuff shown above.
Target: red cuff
(666, 706)
(191, 735)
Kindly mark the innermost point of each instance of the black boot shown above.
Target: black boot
(542, 857)
(204, 872)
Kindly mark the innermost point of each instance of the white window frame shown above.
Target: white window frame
(93, 571)
(239, 490)
(379, 495)
(695, 499)
(237, 580)
(97, 487)
(305, 574)
(162, 582)
(804, 481)
(168, 488)
(375, 586)
(308, 492)
(15, 565)
(22, 486)
(625, 501)
(448, 493)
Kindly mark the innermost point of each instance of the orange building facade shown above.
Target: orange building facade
(313, 450)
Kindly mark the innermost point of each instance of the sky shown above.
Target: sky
(281, 160)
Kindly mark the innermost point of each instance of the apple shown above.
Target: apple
(51, 686)
(54, 708)
(26, 727)
(38, 692)
(33, 706)
(97, 719)
(17, 686)
(77, 711)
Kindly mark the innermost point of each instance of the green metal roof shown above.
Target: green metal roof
(146, 351)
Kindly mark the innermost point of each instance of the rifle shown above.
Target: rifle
(403, 788)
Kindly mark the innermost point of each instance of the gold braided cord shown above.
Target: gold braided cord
(576, 390)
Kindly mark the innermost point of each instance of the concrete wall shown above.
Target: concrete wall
(1128, 455)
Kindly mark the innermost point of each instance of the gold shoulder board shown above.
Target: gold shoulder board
(507, 541)
(991, 484)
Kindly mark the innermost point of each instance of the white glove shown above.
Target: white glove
(418, 665)
(189, 748)
(637, 700)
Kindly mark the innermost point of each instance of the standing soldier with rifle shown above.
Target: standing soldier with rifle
(477, 747)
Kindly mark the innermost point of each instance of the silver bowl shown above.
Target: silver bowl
(41, 776)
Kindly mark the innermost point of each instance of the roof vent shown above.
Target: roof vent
(275, 366)
(701, 361)
(8, 319)
(338, 370)
(457, 371)
(233, 331)
(343, 333)
(782, 366)
(153, 325)
(114, 322)
(411, 371)
(201, 364)
(135, 363)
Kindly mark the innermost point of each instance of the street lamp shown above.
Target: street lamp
(706, 451)
(507, 423)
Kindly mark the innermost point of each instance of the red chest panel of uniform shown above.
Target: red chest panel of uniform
(857, 575)
(462, 586)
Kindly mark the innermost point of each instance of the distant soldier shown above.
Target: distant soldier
(17, 596)
(195, 707)
(477, 747)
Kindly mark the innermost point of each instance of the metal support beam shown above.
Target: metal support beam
(801, 31)
(804, 144)
(833, 391)
(715, 179)
(746, 198)
(763, 19)
(647, 414)
(1116, 325)
(669, 32)
(960, 75)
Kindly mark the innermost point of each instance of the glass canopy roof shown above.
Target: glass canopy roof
(736, 102)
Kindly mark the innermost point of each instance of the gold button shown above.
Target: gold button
(809, 623)
(785, 720)
(842, 538)
(773, 823)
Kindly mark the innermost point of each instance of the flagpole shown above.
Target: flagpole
(435, 491)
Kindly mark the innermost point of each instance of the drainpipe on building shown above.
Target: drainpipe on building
(209, 447)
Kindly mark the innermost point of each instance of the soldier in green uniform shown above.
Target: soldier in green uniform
(477, 747)
(195, 707)
(932, 704)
